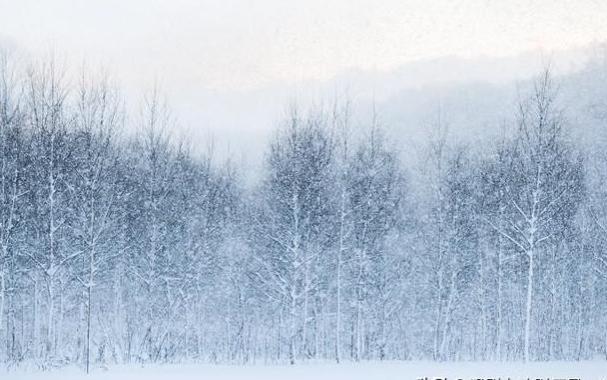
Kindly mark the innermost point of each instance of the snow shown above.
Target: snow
(587, 370)
(119, 247)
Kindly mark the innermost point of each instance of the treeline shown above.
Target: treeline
(119, 248)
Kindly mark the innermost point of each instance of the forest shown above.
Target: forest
(135, 247)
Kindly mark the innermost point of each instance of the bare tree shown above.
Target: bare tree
(543, 186)
(95, 195)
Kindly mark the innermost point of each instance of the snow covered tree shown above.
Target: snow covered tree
(292, 224)
(95, 194)
(48, 117)
(543, 188)
(13, 162)
(376, 189)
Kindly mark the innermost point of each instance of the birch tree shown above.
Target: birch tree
(542, 189)
(12, 190)
(95, 193)
(376, 191)
(293, 222)
(48, 117)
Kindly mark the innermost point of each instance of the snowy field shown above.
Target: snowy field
(591, 370)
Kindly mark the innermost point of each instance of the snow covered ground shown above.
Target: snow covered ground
(591, 370)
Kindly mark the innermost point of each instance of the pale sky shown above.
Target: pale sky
(230, 67)
(240, 44)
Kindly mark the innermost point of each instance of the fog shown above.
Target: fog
(278, 182)
(229, 69)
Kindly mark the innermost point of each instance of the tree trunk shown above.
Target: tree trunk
(499, 299)
(88, 328)
(528, 304)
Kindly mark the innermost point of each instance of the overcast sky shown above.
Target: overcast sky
(242, 44)
(202, 50)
